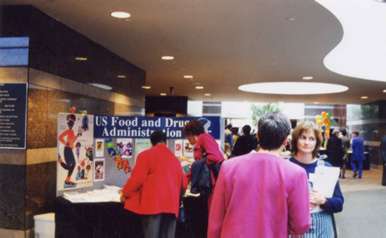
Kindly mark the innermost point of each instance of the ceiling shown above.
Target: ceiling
(223, 43)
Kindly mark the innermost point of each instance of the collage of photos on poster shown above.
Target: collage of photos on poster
(75, 151)
(99, 170)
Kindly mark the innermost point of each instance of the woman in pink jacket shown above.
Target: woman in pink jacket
(260, 194)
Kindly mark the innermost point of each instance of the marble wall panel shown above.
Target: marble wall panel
(41, 190)
(12, 190)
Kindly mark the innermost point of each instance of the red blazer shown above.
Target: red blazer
(155, 183)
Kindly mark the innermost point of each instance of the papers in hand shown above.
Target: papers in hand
(324, 180)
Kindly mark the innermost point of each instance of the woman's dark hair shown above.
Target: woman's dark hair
(194, 128)
(273, 129)
(157, 137)
(246, 130)
(343, 131)
(304, 127)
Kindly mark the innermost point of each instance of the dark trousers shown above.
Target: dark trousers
(357, 169)
(159, 226)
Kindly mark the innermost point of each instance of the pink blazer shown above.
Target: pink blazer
(259, 195)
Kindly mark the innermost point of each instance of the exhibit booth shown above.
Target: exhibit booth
(96, 154)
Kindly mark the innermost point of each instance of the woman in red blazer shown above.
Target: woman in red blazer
(154, 188)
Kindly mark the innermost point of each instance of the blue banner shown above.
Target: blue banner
(142, 127)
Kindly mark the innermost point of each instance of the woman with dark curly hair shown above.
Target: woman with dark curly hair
(205, 146)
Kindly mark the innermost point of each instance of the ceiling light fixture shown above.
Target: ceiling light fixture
(188, 76)
(199, 87)
(167, 57)
(163, 94)
(207, 94)
(361, 52)
(307, 77)
(81, 58)
(293, 88)
(364, 97)
(384, 90)
(146, 87)
(101, 86)
(120, 14)
(290, 18)
(121, 76)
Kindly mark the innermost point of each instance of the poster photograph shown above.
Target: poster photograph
(188, 149)
(178, 148)
(99, 170)
(99, 147)
(125, 147)
(141, 145)
(75, 151)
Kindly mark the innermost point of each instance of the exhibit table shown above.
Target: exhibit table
(111, 220)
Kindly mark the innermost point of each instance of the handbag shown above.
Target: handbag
(200, 180)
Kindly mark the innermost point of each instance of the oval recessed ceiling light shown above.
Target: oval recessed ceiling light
(121, 76)
(163, 94)
(307, 77)
(199, 87)
(146, 87)
(188, 76)
(101, 86)
(315, 102)
(207, 94)
(364, 97)
(120, 14)
(290, 18)
(384, 90)
(361, 52)
(293, 88)
(81, 58)
(167, 57)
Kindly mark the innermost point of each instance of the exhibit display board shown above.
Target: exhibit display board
(117, 141)
(75, 151)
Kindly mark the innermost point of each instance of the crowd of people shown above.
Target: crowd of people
(253, 192)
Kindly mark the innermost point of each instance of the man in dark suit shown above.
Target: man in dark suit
(358, 149)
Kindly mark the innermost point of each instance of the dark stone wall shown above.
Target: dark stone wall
(28, 177)
(12, 190)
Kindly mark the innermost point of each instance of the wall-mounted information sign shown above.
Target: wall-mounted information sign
(13, 102)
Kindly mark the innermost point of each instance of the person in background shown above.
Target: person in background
(335, 149)
(382, 150)
(205, 146)
(260, 194)
(153, 191)
(245, 143)
(306, 141)
(357, 156)
(235, 135)
(228, 140)
(346, 147)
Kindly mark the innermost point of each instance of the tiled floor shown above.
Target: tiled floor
(364, 213)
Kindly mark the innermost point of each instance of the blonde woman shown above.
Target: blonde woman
(306, 140)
